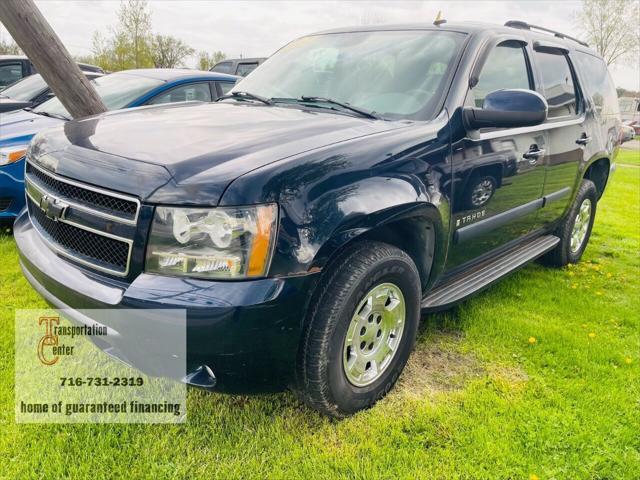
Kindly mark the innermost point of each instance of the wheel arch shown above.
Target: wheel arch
(416, 229)
(597, 170)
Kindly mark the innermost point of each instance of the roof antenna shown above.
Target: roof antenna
(439, 20)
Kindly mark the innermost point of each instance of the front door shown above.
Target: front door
(499, 175)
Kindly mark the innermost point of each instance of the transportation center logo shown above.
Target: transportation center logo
(48, 344)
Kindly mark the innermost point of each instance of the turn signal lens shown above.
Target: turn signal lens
(12, 154)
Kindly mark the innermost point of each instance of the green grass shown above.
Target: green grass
(478, 400)
(628, 157)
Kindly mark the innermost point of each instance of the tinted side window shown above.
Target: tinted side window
(184, 93)
(505, 67)
(245, 69)
(223, 67)
(557, 84)
(226, 87)
(9, 73)
(598, 83)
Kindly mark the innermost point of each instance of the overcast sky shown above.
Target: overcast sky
(258, 28)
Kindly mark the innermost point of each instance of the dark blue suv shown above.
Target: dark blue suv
(358, 178)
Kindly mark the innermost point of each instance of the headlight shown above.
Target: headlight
(12, 154)
(227, 242)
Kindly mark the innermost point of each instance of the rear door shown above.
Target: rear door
(498, 173)
(568, 135)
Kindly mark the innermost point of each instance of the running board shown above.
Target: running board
(472, 281)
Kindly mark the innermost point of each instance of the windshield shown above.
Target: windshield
(25, 89)
(396, 74)
(116, 90)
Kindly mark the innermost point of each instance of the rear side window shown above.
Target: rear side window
(223, 67)
(245, 69)
(184, 93)
(9, 73)
(557, 84)
(598, 83)
(505, 67)
(226, 87)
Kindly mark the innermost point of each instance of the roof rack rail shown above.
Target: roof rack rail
(528, 26)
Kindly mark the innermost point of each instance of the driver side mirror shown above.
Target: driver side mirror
(507, 109)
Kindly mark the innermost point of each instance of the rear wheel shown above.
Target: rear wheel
(480, 190)
(575, 230)
(360, 329)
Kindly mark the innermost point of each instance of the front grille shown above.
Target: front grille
(95, 248)
(91, 226)
(90, 198)
(5, 203)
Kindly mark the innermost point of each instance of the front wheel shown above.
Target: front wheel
(575, 229)
(360, 329)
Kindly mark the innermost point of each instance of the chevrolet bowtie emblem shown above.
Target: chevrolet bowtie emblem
(52, 207)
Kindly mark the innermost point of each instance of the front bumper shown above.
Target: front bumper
(246, 332)
(11, 190)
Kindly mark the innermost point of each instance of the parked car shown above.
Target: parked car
(630, 112)
(308, 219)
(237, 66)
(627, 133)
(130, 88)
(16, 67)
(31, 91)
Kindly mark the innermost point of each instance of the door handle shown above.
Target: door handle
(533, 154)
(583, 140)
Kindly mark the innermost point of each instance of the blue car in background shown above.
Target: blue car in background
(129, 88)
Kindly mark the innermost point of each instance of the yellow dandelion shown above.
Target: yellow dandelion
(532, 340)
(533, 476)
(599, 293)
(628, 360)
(592, 335)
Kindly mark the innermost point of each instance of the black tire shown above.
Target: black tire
(469, 202)
(321, 380)
(562, 254)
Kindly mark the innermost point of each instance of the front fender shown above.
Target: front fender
(330, 196)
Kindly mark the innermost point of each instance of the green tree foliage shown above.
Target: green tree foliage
(129, 43)
(611, 28)
(9, 48)
(207, 60)
(135, 31)
(169, 52)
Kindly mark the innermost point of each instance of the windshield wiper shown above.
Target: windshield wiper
(50, 115)
(246, 96)
(346, 106)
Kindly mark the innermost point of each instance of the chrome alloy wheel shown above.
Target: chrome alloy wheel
(482, 192)
(374, 334)
(581, 225)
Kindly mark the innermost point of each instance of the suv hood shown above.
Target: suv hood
(203, 147)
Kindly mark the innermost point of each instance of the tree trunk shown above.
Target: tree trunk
(40, 43)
